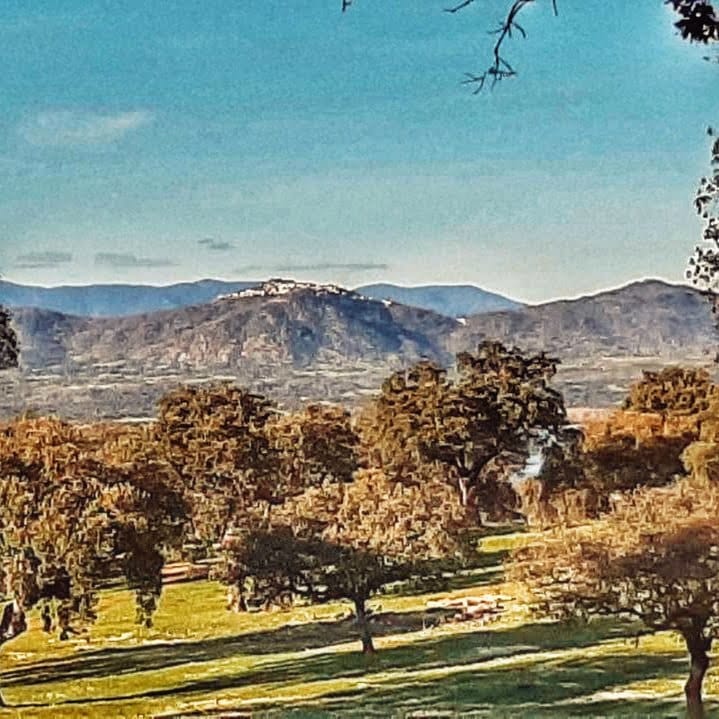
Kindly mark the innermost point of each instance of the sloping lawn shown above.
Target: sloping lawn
(201, 660)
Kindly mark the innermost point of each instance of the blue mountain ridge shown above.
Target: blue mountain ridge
(119, 300)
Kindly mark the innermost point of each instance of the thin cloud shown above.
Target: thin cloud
(68, 128)
(36, 260)
(343, 266)
(316, 267)
(119, 260)
(213, 245)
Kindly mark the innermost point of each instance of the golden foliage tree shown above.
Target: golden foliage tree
(69, 521)
(216, 439)
(346, 540)
(473, 430)
(672, 391)
(316, 445)
(654, 558)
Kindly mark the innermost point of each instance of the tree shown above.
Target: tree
(672, 391)
(579, 479)
(316, 445)
(216, 439)
(346, 540)
(703, 268)
(9, 349)
(697, 21)
(654, 558)
(69, 521)
(472, 431)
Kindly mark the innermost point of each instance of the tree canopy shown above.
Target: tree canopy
(654, 558)
(473, 430)
(346, 540)
(69, 521)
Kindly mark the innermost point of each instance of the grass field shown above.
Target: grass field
(200, 660)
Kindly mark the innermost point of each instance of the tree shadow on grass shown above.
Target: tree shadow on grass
(541, 689)
(163, 655)
(432, 653)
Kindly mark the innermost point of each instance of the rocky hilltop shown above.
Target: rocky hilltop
(277, 323)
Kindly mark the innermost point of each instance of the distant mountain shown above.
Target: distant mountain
(646, 318)
(280, 323)
(299, 342)
(115, 300)
(119, 300)
(450, 300)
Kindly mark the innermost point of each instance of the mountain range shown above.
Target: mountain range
(119, 300)
(300, 342)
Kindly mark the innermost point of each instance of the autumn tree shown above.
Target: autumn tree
(473, 430)
(316, 445)
(69, 522)
(346, 540)
(216, 439)
(672, 391)
(654, 558)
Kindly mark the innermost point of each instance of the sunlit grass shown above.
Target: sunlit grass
(200, 659)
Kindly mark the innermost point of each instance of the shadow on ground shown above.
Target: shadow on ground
(539, 684)
(541, 689)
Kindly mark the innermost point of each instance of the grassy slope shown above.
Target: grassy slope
(201, 660)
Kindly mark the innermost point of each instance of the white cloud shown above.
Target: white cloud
(63, 128)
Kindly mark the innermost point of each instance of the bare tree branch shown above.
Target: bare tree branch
(698, 22)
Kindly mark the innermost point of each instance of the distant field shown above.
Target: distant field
(200, 660)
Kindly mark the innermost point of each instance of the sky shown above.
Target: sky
(243, 139)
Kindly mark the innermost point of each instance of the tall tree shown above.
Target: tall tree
(654, 558)
(68, 522)
(346, 540)
(473, 430)
(703, 268)
(216, 438)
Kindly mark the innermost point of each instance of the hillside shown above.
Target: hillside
(649, 318)
(299, 342)
(293, 324)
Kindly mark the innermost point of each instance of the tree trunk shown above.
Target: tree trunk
(363, 626)
(698, 645)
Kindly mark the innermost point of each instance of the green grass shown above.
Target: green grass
(200, 660)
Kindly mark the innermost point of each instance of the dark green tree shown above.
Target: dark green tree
(9, 349)
(473, 430)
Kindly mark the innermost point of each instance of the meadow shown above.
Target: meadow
(201, 660)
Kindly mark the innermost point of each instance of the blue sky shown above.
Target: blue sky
(165, 141)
